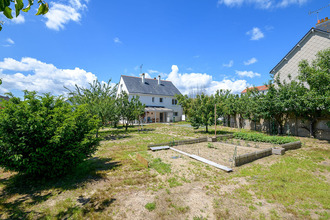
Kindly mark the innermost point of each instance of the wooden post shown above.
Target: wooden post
(215, 120)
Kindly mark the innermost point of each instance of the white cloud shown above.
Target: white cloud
(60, 14)
(40, 77)
(18, 20)
(262, 4)
(255, 34)
(230, 64)
(250, 61)
(10, 41)
(186, 82)
(117, 40)
(250, 74)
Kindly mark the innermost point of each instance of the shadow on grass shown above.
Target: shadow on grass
(20, 191)
(211, 132)
(120, 133)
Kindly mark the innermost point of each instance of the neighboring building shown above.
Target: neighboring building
(156, 94)
(4, 97)
(262, 89)
(316, 39)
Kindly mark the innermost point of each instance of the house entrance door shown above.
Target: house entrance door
(161, 117)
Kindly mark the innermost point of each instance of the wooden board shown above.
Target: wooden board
(203, 160)
(142, 160)
(159, 148)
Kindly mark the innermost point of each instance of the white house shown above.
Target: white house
(316, 39)
(156, 94)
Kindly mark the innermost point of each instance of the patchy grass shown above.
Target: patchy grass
(150, 206)
(112, 184)
(160, 167)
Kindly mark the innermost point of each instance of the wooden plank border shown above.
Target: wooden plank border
(142, 160)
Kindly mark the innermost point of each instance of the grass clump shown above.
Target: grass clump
(160, 166)
(259, 137)
(150, 206)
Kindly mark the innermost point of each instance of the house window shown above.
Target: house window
(175, 114)
(174, 102)
(160, 99)
(153, 99)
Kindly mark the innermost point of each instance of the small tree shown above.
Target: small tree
(130, 110)
(202, 111)
(44, 135)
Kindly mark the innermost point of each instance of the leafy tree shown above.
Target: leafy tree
(6, 8)
(44, 135)
(185, 103)
(316, 99)
(99, 99)
(130, 109)
(202, 111)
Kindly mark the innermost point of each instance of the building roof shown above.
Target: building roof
(135, 85)
(260, 88)
(322, 26)
(4, 97)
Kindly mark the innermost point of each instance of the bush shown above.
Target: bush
(45, 136)
(259, 137)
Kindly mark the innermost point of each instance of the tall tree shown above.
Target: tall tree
(99, 99)
(316, 100)
(202, 111)
(130, 109)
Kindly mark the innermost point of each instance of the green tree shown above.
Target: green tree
(99, 99)
(6, 8)
(316, 99)
(185, 103)
(44, 135)
(202, 111)
(130, 109)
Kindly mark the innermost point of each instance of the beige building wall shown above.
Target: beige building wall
(306, 49)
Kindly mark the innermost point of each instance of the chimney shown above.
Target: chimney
(158, 79)
(143, 78)
(322, 21)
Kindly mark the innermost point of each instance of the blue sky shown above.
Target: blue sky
(210, 44)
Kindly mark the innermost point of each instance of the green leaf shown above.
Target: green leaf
(7, 13)
(43, 9)
(29, 6)
(4, 4)
(18, 6)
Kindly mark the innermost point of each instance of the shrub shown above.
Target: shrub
(45, 136)
(259, 137)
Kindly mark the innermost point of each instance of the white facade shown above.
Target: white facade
(165, 108)
(306, 49)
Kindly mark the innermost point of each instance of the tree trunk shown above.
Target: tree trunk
(126, 126)
(311, 128)
(207, 129)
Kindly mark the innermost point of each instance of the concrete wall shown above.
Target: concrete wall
(292, 126)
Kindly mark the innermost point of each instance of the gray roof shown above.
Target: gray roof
(135, 85)
(324, 26)
(4, 97)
